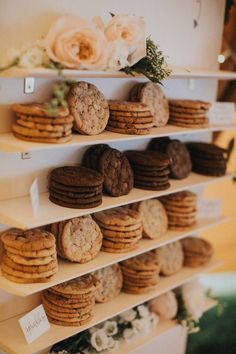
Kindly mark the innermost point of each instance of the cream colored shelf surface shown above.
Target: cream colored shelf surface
(18, 212)
(8, 143)
(161, 328)
(177, 73)
(17, 345)
(68, 270)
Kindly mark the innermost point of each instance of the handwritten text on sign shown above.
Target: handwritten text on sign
(34, 324)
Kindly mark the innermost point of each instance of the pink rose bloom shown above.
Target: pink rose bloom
(72, 43)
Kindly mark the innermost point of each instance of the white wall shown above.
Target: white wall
(170, 23)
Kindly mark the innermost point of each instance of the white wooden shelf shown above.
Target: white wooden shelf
(18, 212)
(161, 328)
(16, 344)
(8, 143)
(68, 270)
(177, 73)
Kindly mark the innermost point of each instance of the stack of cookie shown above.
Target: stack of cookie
(140, 273)
(129, 118)
(208, 159)
(36, 123)
(78, 240)
(154, 217)
(151, 94)
(170, 257)
(189, 113)
(113, 165)
(29, 256)
(111, 281)
(71, 303)
(176, 150)
(121, 228)
(181, 209)
(151, 169)
(89, 108)
(75, 187)
(197, 251)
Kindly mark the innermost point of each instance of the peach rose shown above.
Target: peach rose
(130, 31)
(72, 43)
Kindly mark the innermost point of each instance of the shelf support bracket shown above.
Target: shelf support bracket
(29, 83)
(25, 156)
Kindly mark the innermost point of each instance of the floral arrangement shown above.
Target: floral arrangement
(191, 305)
(129, 326)
(71, 42)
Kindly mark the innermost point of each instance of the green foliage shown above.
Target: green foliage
(153, 65)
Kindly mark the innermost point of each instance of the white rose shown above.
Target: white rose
(194, 299)
(128, 316)
(93, 329)
(142, 326)
(165, 305)
(153, 319)
(143, 311)
(99, 340)
(72, 43)
(110, 328)
(113, 344)
(130, 31)
(130, 335)
(118, 58)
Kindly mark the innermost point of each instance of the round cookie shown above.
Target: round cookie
(118, 217)
(30, 240)
(152, 95)
(117, 172)
(171, 258)
(31, 254)
(73, 205)
(154, 218)
(48, 127)
(130, 114)
(127, 125)
(131, 131)
(128, 106)
(81, 239)
(24, 275)
(45, 120)
(38, 261)
(89, 108)
(131, 120)
(202, 105)
(29, 268)
(111, 283)
(39, 109)
(81, 285)
(60, 140)
(37, 133)
(144, 262)
(76, 176)
(92, 155)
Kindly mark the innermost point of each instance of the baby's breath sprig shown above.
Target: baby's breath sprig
(153, 65)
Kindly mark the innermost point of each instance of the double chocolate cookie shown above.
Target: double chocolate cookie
(113, 165)
(151, 169)
(208, 159)
(75, 187)
(176, 150)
